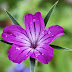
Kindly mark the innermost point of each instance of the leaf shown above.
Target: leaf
(5, 42)
(12, 18)
(46, 19)
(60, 48)
(32, 64)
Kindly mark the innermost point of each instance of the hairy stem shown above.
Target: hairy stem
(32, 64)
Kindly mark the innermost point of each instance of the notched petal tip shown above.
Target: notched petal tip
(38, 13)
(27, 15)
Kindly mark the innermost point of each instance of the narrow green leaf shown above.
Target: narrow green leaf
(60, 48)
(46, 19)
(12, 18)
(5, 42)
(32, 64)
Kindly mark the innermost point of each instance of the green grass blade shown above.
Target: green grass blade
(46, 19)
(60, 48)
(12, 18)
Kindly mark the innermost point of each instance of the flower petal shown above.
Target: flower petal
(11, 70)
(50, 34)
(15, 34)
(19, 67)
(34, 25)
(27, 70)
(19, 53)
(43, 53)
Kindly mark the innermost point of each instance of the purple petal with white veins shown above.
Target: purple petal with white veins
(15, 34)
(43, 53)
(18, 53)
(50, 34)
(34, 25)
(32, 42)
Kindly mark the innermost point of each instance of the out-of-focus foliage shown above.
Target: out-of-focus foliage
(62, 15)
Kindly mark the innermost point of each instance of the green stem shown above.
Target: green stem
(32, 64)
(36, 62)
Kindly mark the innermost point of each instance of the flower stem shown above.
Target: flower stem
(36, 62)
(32, 64)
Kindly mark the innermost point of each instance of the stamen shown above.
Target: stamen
(33, 47)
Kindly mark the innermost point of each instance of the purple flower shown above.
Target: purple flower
(19, 68)
(32, 42)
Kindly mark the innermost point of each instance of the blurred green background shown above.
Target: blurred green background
(62, 15)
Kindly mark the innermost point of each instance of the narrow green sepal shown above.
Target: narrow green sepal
(32, 64)
(46, 19)
(5, 42)
(12, 18)
(60, 48)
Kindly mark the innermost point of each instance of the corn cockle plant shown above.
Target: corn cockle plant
(34, 41)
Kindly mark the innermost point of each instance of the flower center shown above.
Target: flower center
(33, 45)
